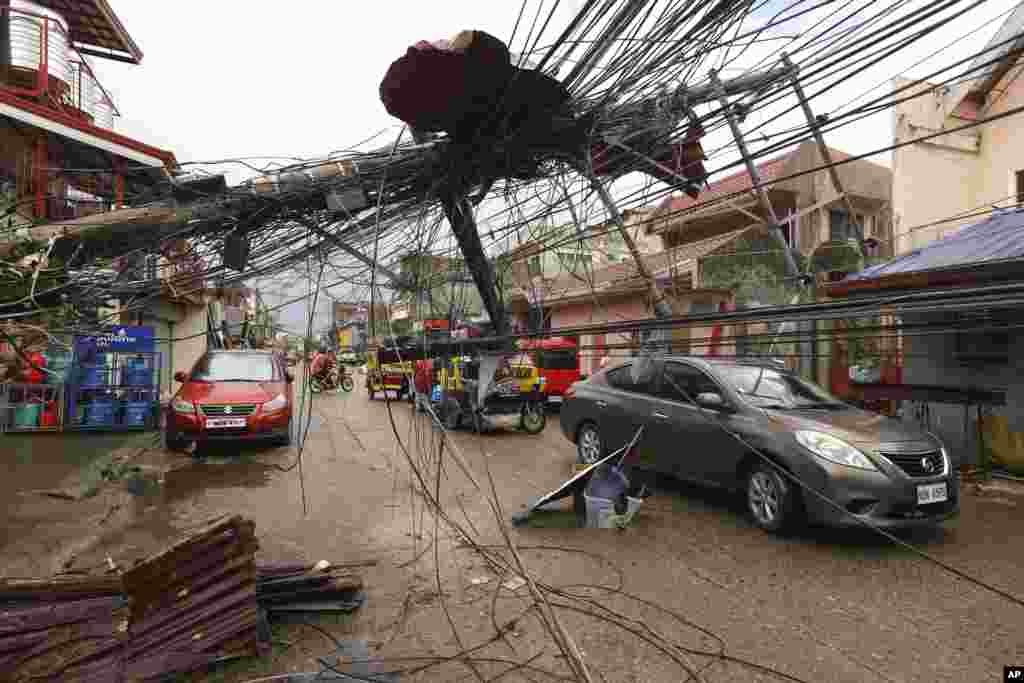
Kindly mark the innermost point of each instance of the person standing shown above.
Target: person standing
(422, 381)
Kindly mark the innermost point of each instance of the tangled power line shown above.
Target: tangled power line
(641, 76)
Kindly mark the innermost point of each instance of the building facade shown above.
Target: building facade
(60, 156)
(966, 358)
(942, 183)
(804, 200)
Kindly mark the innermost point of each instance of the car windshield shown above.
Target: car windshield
(234, 367)
(765, 387)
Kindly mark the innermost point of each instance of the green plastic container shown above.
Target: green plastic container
(27, 414)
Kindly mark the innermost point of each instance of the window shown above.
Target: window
(533, 268)
(235, 367)
(622, 378)
(765, 387)
(574, 261)
(683, 383)
(839, 227)
(557, 359)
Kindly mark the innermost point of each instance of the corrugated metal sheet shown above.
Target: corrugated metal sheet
(197, 602)
(999, 238)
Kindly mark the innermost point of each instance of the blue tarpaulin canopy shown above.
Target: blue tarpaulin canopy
(997, 239)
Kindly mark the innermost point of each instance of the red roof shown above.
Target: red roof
(770, 171)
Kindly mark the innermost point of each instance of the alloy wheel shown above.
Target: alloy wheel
(764, 498)
(590, 445)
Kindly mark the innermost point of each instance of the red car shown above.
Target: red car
(232, 395)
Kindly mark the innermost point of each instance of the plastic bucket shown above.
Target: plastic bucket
(99, 413)
(601, 512)
(136, 412)
(27, 414)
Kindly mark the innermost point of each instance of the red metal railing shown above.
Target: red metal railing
(43, 85)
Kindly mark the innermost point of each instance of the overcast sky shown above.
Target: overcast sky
(226, 79)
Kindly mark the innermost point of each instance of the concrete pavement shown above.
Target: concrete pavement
(821, 606)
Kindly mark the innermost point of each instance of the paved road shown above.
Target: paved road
(820, 606)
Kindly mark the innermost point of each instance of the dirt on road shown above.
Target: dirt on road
(691, 576)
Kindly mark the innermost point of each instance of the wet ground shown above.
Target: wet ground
(820, 606)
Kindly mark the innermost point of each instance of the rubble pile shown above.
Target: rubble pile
(200, 601)
(308, 588)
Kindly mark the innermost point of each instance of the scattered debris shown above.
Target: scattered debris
(320, 588)
(202, 600)
(351, 663)
(59, 494)
(480, 580)
(576, 484)
(514, 583)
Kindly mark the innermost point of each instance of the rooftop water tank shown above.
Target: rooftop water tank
(26, 39)
(83, 88)
(102, 110)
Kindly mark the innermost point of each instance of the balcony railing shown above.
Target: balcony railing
(45, 65)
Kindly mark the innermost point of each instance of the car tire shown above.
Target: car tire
(533, 420)
(369, 394)
(772, 501)
(589, 444)
(452, 415)
(286, 440)
(173, 442)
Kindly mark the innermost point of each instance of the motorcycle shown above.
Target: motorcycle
(331, 380)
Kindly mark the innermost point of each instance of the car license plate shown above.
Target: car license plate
(221, 422)
(931, 493)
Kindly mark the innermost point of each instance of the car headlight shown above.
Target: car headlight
(834, 450)
(186, 407)
(275, 404)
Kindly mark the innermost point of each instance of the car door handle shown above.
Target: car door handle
(660, 416)
(601, 404)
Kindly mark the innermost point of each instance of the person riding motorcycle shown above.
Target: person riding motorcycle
(323, 363)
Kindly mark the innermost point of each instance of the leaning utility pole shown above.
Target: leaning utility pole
(774, 229)
(459, 211)
(682, 102)
(826, 154)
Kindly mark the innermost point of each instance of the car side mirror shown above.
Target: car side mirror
(180, 377)
(711, 400)
(289, 377)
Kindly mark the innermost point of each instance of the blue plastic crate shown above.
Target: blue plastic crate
(99, 413)
(138, 377)
(95, 375)
(136, 413)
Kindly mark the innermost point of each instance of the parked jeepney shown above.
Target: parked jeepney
(394, 374)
